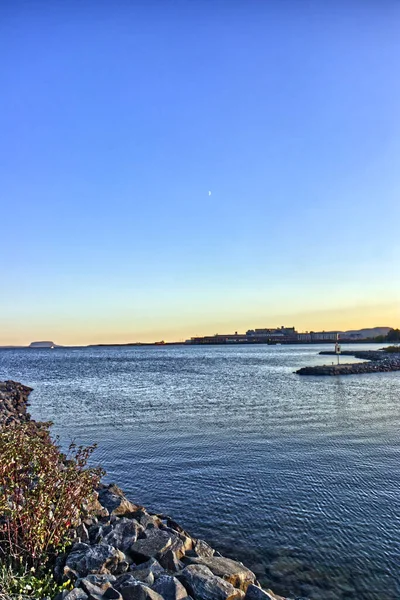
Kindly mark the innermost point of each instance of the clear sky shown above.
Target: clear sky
(117, 118)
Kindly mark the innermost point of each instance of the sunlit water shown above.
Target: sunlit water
(296, 476)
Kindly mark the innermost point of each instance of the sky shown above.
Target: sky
(117, 118)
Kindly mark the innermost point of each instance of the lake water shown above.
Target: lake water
(299, 477)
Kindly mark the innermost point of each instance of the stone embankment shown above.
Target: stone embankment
(378, 362)
(121, 551)
(13, 402)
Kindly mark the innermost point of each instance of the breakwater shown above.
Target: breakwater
(13, 402)
(376, 362)
(121, 551)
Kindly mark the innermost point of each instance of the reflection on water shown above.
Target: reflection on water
(298, 477)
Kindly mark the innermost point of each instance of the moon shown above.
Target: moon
(209, 193)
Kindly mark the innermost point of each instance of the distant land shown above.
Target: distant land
(279, 335)
(43, 345)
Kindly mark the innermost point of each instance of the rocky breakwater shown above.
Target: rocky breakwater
(378, 361)
(120, 551)
(13, 402)
(123, 552)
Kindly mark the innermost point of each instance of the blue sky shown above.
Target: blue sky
(117, 119)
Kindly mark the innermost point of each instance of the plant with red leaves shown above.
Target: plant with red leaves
(41, 493)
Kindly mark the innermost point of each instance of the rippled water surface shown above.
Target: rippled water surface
(298, 477)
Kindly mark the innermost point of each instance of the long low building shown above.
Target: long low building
(280, 335)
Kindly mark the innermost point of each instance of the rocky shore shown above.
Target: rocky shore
(13, 402)
(378, 362)
(121, 551)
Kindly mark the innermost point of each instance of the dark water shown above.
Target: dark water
(297, 477)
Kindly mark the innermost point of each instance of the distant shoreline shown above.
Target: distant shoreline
(219, 343)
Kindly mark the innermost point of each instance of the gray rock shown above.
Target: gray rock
(135, 590)
(229, 570)
(183, 536)
(143, 575)
(156, 541)
(98, 532)
(102, 581)
(255, 593)
(112, 594)
(94, 592)
(82, 533)
(97, 593)
(152, 564)
(203, 585)
(76, 594)
(170, 588)
(202, 548)
(100, 558)
(123, 534)
(114, 500)
(147, 521)
(145, 572)
(170, 557)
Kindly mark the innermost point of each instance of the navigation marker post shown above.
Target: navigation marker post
(337, 348)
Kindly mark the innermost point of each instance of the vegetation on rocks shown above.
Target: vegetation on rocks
(41, 494)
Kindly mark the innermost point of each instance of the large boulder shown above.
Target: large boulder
(123, 534)
(202, 584)
(113, 499)
(170, 588)
(155, 542)
(169, 558)
(229, 570)
(147, 521)
(145, 573)
(255, 593)
(103, 581)
(85, 559)
(135, 590)
(201, 548)
(102, 592)
(76, 594)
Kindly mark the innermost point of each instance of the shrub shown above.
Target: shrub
(41, 494)
(26, 583)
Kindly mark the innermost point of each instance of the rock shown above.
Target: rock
(98, 532)
(255, 593)
(82, 533)
(143, 575)
(170, 588)
(103, 581)
(123, 534)
(169, 558)
(93, 508)
(183, 536)
(61, 596)
(147, 521)
(95, 592)
(76, 594)
(100, 558)
(113, 499)
(145, 572)
(155, 542)
(13, 402)
(100, 593)
(135, 590)
(153, 565)
(229, 570)
(122, 567)
(112, 594)
(203, 585)
(202, 548)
